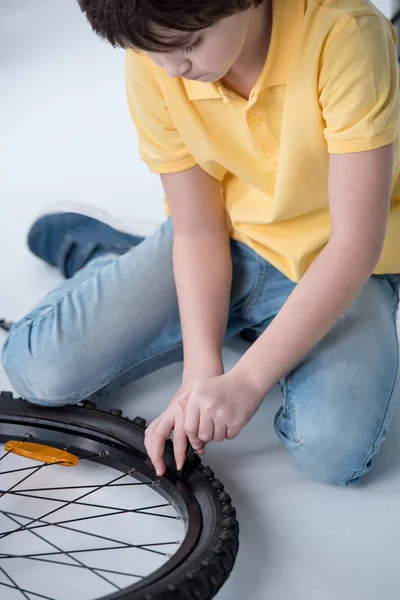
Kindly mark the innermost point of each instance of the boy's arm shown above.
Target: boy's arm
(360, 191)
(202, 267)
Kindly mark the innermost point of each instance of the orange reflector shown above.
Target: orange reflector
(45, 454)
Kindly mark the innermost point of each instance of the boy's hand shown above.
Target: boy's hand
(217, 408)
(204, 409)
(172, 419)
(159, 431)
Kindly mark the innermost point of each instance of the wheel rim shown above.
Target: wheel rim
(201, 574)
(120, 459)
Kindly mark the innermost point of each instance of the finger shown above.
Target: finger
(206, 428)
(149, 432)
(220, 431)
(157, 443)
(232, 432)
(192, 420)
(180, 438)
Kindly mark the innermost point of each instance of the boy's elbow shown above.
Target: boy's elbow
(361, 255)
(195, 200)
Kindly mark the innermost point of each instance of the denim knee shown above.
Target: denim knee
(323, 454)
(41, 377)
(322, 463)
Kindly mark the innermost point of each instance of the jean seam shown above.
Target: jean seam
(358, 473)
(255, 292)
(245, 309)
(31, 321)
(290, 408)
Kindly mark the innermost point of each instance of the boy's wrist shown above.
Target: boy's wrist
(198, 367)
(244, 373)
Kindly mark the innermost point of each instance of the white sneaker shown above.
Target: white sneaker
(139, 228)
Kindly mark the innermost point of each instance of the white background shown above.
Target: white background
(65, 134)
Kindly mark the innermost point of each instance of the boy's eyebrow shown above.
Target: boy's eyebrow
(179, 40)
(166, 40)
(172, 39)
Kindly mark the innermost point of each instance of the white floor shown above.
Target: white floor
(65, 134)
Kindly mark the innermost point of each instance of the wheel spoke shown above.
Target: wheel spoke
(24, 592)
(3, 493)
(116, 510)
(27, 437)
(80, 487)
(95, 535)
(15, 585)
(57, 562)
(45, 464)
(79, 550)
(80, 563)
(100, 487)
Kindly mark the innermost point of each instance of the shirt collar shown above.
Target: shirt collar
(197, 90)
(287, 19)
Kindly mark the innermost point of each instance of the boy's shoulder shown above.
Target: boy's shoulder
(141, 64)
(140, 70)
(324, 20)
(339, 9)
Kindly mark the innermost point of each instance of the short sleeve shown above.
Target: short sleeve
(160, 144)
(359, 86)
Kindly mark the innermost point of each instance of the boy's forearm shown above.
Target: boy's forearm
(321, 297)
(203, 276)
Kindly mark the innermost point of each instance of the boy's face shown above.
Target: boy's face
(210, 53)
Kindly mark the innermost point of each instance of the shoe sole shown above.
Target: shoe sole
(138, 228)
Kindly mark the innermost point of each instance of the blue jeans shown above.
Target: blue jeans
(117, 320)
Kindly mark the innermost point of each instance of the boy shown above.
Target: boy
(274, 127)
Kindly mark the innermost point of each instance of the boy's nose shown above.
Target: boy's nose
(178, 69)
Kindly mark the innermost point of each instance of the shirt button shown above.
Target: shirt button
(255, 120)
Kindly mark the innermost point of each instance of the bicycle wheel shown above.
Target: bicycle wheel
(35, 511)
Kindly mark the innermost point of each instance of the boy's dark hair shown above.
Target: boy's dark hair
(141, 23)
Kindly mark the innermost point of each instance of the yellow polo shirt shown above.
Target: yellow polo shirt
(330, 84)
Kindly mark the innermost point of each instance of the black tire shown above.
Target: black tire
(205, 569)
